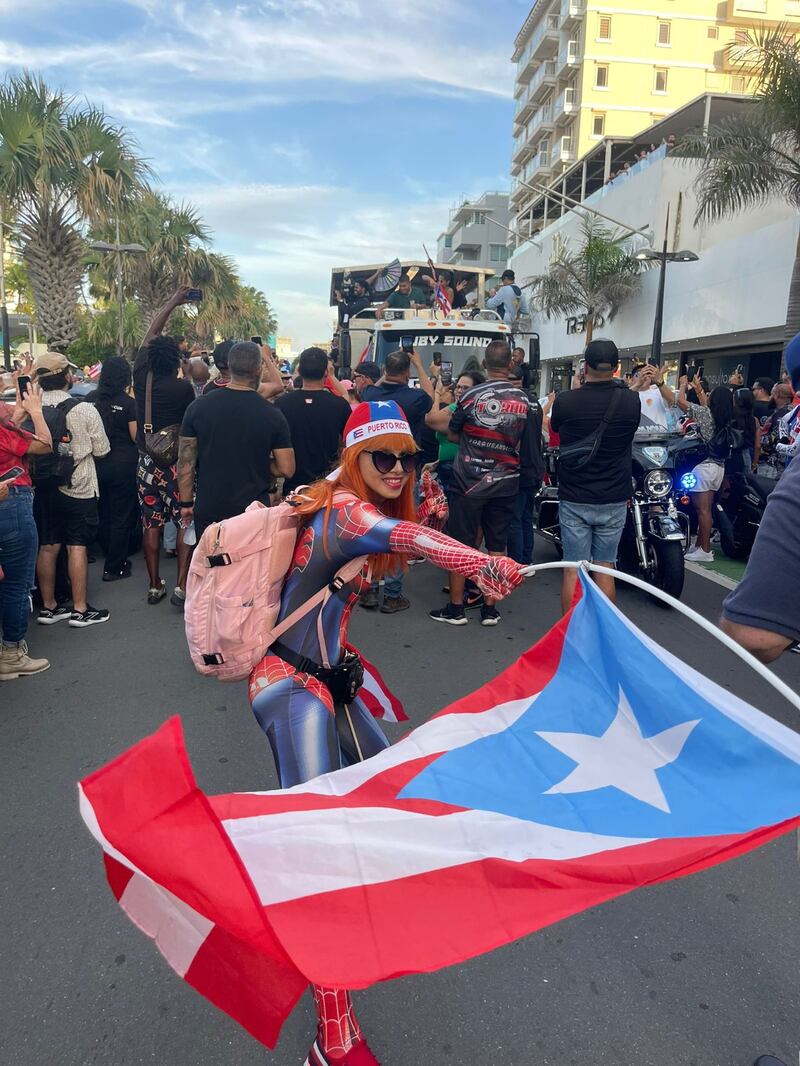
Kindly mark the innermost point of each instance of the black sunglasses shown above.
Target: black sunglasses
(385, 462)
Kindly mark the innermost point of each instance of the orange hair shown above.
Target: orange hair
(320, 494)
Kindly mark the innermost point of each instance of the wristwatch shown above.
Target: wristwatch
(183, 504)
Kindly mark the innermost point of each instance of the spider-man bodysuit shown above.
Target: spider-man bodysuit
(295, 709)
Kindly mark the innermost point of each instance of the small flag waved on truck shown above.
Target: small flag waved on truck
(442, 299)
(93, 372)
(596, 764)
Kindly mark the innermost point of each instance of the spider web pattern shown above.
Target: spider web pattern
(495, 576)
(271, 670)
(338, 1029)
(356, 520)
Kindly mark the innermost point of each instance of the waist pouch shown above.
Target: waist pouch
(342, 681)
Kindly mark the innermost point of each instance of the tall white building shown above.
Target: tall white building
(477, 233)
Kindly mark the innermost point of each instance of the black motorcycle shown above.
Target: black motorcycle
(656, 533)
(738, 511)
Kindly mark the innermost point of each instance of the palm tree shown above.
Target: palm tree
(243, 313)
(749, 158)
(176, 240)
(594, 280)
(62, 166)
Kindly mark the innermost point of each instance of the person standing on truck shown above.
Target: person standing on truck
(360, 300)
(508, 301)
(404, 297)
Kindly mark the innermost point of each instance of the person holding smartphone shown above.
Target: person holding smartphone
(19, 542)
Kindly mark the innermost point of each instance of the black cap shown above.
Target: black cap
(602, 354)
(369, 370)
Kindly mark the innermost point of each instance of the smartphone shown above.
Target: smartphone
(194, 296)
(691, 372)
(407, 344)
(437, 359)
(447, 372)
(257, 340)
(652, 361)
(740, 370)
(24, 383)
(11, 474)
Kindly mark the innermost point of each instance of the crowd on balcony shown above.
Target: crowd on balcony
(643, 158)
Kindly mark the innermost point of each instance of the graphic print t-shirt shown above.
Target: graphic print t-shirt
(500, 431)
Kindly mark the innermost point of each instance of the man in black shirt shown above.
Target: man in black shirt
(235, 442)
(593, 499)
(316, 421)
(499, 434)
(221, 353)
(518, 356)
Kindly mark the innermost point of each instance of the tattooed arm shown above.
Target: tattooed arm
(187, 465)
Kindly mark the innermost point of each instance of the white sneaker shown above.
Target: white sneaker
(697, 555)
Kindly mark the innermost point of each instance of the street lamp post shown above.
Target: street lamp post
(663, 257)
(118, 249)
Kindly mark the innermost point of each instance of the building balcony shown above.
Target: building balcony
(572, 11)
(523, 148)
(542, 120)
(543, 80)
(568, 58)
(525, 65)
(525, 107)
(565, 105)
(545, 38)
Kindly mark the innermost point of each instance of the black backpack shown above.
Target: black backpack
(725, 442)
(57, 468)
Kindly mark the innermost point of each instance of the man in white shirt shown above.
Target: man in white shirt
(67, 513)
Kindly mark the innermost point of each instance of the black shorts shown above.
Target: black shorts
(493, 516)
(62, 519)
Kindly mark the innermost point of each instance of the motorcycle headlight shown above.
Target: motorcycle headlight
(657, 483)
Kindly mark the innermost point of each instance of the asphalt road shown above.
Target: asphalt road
(701, 972)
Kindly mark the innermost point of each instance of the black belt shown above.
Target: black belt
(299, 662)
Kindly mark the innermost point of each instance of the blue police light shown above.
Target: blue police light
(688, 481)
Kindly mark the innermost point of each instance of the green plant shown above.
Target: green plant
(62, 165)
(752, 157)
(593, 280)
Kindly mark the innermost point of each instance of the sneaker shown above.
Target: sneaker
(156, 595)
(92, 616)
(116, 575)
(454, 616)
(393, 604)
(178, 598)
(697, 555)
(490, 616)
(473, 598)
(46, 617)
(360, 1055)
(369, 600)
(15, 662)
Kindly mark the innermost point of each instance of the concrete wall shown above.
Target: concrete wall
(735, 295)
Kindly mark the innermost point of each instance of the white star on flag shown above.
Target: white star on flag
(621, 758)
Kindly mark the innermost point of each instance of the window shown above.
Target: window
(604, 29)
(661, 81)
(737, 84)
(498, 253)
(664, 31)
(601, 77)
(448, 240)
(713, 33)
(598, 125)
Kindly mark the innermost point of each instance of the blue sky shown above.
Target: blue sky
(309, 133)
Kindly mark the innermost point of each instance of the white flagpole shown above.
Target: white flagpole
(788, 694)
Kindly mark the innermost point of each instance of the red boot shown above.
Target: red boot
(360, 1055)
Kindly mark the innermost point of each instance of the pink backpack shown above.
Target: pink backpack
(233, 593)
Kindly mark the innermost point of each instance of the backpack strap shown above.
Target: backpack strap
(148, 403)
(342, 576)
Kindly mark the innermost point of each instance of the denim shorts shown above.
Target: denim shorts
(591, 531)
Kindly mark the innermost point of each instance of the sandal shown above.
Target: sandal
(157, 594)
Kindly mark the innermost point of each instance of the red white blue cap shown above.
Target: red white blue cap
(375, 419)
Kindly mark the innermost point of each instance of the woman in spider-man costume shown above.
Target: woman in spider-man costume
(300, 688)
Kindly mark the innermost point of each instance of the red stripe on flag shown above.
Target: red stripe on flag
(117, 876)
(245, 983)
(448, 916)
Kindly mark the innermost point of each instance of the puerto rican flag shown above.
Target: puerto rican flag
(442, 299)
(93, 372)
(598, 763)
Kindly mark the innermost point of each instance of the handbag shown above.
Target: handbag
(580, 453)
(162, 444)
(725, 442)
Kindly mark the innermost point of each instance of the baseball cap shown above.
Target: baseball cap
(602, 354)
(376, 419)
(51, 363)
(369, 370)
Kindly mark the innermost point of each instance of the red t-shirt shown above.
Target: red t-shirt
(14, 445)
